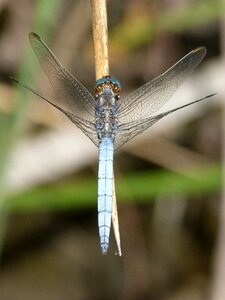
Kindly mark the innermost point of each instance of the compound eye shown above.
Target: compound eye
(99, 84)
(107, 80)
(115, 84)
(99, 87)
(116, 87)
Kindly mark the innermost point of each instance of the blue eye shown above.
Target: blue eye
(115, 81)
(100, 81)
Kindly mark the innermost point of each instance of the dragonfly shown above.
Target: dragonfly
(107, 119)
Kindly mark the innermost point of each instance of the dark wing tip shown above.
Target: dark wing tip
(34, 35)
(200, 50)
(211, 95)
(13, 79)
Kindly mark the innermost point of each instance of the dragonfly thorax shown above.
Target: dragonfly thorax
(106, 113)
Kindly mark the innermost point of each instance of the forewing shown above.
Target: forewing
(146, 100)
(70, 94)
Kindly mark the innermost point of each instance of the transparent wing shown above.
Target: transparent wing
(146, 100)
(86, 126)
(70, 94)
(131, 129)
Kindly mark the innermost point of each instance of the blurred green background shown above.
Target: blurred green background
(168, 181)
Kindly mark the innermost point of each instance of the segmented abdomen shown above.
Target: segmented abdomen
(105, 190)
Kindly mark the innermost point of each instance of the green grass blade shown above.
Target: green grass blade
(12, 125)
(140, 187)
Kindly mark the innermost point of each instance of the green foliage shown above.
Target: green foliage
(139, 31)
(140, 187)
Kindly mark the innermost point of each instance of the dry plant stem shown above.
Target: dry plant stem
(100, 38)
(170, 156)
(115, 221)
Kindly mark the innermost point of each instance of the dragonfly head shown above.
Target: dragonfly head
(108, 84)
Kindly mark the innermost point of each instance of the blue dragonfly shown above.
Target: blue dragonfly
(108, 120)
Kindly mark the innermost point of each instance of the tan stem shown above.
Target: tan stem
(100, 37)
